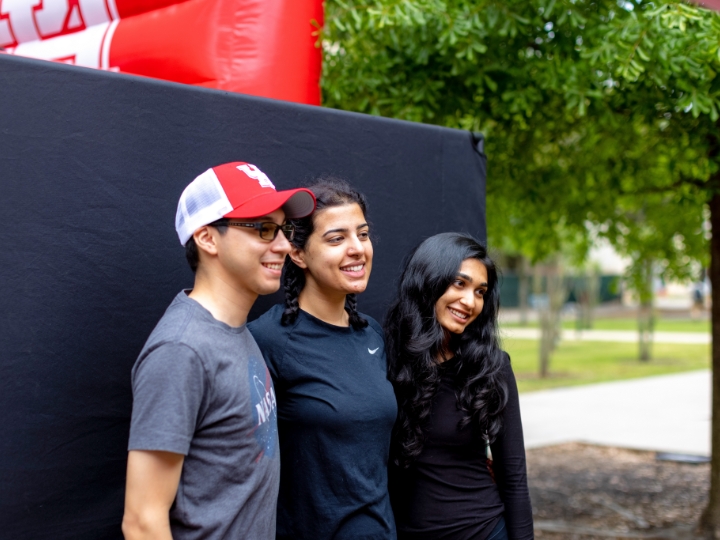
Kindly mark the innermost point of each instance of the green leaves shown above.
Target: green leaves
(597, 114)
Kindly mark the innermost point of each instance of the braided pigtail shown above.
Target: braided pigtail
(293, 283)
(356, 321)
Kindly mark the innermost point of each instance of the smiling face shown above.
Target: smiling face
(337, 258)
(251, 263)
(463, 300)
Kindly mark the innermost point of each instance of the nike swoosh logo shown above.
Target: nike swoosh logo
(373, 351)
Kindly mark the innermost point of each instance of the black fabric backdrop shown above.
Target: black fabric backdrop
(91, 168)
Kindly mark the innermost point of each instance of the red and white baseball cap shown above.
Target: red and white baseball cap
(235, 190)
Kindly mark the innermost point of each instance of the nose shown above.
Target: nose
(281, 244)
(356, 247)
(468, 298)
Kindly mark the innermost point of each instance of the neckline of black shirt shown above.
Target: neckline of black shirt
(319, 322)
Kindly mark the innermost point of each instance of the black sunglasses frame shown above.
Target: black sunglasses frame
(263, 228)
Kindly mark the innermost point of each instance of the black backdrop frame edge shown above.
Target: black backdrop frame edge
(91, 166)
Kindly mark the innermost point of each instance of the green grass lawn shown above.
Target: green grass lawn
(662, 325)
(582, 362)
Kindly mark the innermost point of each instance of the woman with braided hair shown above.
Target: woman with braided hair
(456, 396)
(336, 407)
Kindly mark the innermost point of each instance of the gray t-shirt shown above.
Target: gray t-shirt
(201, 388)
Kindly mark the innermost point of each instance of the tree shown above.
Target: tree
(663, 60)
(521, 72)
(479, 66)
(596, 112)
(659, 229)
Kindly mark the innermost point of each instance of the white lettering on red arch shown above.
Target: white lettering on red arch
(23, 21)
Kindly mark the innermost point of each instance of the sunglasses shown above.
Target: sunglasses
(267, 229)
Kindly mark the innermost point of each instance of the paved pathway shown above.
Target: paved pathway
(624, 336)
(668, 413)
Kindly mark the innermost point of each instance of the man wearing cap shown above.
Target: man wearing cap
(203, 453)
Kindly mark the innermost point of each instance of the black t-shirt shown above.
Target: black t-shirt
(448, 491)
(336, 410)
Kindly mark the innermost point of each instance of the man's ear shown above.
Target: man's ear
(206, 240)
(298, 257)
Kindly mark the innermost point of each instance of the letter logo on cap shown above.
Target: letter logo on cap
(253, 172)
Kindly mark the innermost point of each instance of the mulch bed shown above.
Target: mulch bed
(591, 492)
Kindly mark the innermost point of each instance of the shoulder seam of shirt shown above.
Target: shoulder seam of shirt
(378, 332)
(181, 344)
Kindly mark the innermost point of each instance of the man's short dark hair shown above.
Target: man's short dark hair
(191, 249)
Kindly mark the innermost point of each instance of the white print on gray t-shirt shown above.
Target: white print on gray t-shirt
(265, 406)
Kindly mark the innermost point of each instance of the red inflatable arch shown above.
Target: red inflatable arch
(260, 47)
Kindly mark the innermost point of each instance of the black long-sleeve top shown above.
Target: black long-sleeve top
(448, 492)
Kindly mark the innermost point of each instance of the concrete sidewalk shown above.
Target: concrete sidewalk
(667, 413)
(623, 336)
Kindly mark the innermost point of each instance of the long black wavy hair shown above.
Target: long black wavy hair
(415, 339)
(329, 192)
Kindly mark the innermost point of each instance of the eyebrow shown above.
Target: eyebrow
(470, 280)
(331, 231)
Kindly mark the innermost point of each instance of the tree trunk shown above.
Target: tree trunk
(587, 289)
(542, 306)
(646, 312)
(523, 289)
(646, 326)
(593, 296)
(710, 520)
(581, 300)
(546, 342)
(550, 313)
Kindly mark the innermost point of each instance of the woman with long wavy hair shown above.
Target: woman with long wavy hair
(456, 396)
(336, 407)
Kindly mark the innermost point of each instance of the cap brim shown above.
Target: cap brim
(296, 203)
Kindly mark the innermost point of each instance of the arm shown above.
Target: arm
(168, 396)
(152, 482)
(509, 466)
